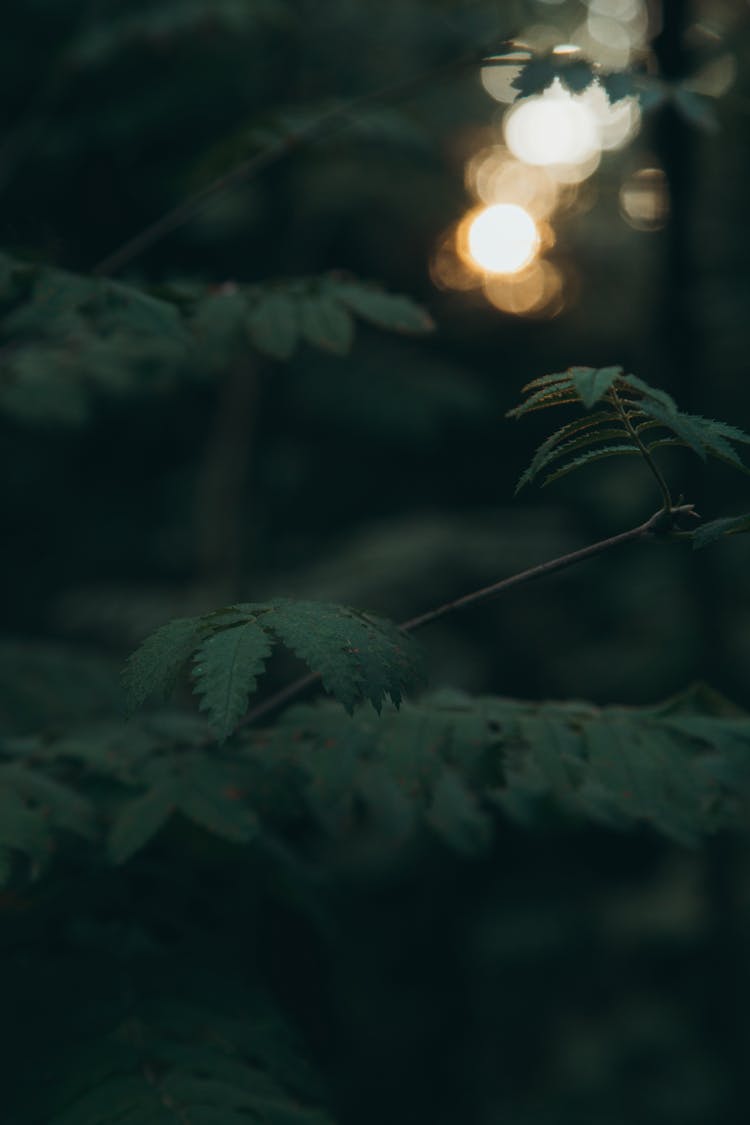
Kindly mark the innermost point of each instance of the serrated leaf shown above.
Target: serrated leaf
(717, 529)
(559, 394)
(680, 424)
(552, 454)
(546, 380)
(545, 450)
(649, 392)
(326, 324)
(618, 84)
(357, 655)
(587, 458)
(138, 821)
(225, 673)
(576, 75)
(385, 310)
(273, 324)
(153, 668)
(535, 76)
(592, 383)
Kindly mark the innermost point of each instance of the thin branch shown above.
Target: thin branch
(644, 451)
(661, 523)
(328, 123)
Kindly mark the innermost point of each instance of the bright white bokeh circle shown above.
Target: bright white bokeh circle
(552, 130)
(503, 238)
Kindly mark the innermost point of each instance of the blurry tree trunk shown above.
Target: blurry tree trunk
(221, 487)
(681, 352)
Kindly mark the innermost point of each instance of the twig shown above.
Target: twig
(329, 122)
(644, 451)
(660, 523)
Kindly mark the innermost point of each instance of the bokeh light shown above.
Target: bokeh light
(536, 291)
(554, 129)
(498, 78)
(502, 239)
(614, 31)
(494, 176)
(568, 132)
(644, 199)
(553, 143)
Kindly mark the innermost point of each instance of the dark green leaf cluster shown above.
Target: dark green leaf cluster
(65, 338)
(632, 418)
(575, 74)
(448, 766)
(358, 656)
(277, 318)
(157, 1043)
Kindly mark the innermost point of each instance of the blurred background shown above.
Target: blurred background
(559, 229)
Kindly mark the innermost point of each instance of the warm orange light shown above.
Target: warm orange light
(536, 291)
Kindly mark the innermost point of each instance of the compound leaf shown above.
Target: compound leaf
(587, 458)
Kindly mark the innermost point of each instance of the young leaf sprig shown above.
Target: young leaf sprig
(631, 418)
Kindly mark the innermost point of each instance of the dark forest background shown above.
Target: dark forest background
(385, 480)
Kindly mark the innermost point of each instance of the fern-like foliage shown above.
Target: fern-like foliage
(448, 766)
(276, 319)
(64, 338)
(359, 656)
(176, 1045)
(631, 418)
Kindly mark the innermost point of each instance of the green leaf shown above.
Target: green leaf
(717, 529)
(681, 424)
(587, 458)
(559, 394)
(153, 668)
(547, 380)
(545, 450)
(385, 310)
(358, 656)
(535, 76)
(552, 454)
(273, 324)
(139, 821)
(326, 324)
(649, 392)
(576, 75)
(225, 673)
(618, 84)
(592, 383)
